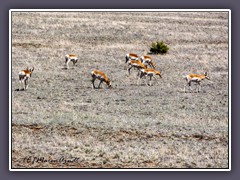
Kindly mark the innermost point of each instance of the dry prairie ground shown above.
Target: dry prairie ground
(131, 125)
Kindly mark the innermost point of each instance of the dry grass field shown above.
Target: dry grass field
(61, 122)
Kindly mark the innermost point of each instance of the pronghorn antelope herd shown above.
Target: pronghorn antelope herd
(133, 61)
(143, 71)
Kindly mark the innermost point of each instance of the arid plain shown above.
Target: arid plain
(131, 125)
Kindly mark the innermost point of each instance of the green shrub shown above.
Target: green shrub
(159, 48)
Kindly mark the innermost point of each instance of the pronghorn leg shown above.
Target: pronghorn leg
(75, 61)
(150, 82)
(199, 87)
(155, 79)
(144, 75)
(190, 87)
(152, 65)
(185, 88)
(21, 83)
(185, 85)
(139, 72)
(140, 76)
(129, 70)
(138, 79)
(66, 63)
(26, 83)
(100, 84)
(93, 80)
(146, 81)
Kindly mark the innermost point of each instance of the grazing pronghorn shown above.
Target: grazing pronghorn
(96, 74)
(24, 75)
(195, 78)
(131, 56)
(151, 73)
(136, 64)
(70, 57)
(147, 60)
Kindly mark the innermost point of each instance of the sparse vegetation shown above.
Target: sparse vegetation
(159, 48)
(130, 125)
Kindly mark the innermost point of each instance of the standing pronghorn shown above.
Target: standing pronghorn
(136, 64)
(151, 73)
(147, 60)
(25, 75)
(195, 78)
(131, 56)
(96, 74)
(70, 57)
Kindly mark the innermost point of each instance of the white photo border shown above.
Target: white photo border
(118, 10)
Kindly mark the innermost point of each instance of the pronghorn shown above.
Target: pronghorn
(70, 57)
(131, 56)
(147, 60)
(151, 73)
(195, 78)
(96, 74)
(25, 75)
(136, 64)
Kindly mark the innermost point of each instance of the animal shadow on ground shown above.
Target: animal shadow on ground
(18, 89)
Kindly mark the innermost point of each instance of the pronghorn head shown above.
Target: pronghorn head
(153, 64)
(127, 59)
(159, 73)
(206, 75)
(30, 70)
(109, 83)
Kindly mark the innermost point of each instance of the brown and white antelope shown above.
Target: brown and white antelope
(147, 60)
(136, 64)
(96, 74)
(24, 76)
(151, 73)
(70, 57)
(131, 56)
(197, 78)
